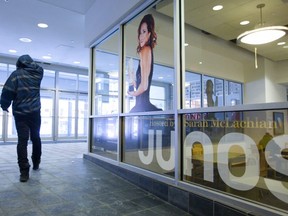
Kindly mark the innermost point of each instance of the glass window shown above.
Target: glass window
(241, 153)
(193, 90)
(159, 101)
(66, 114)
(107, 74)
(3, 73)
(47, 113)
(11, 68)
(233, 93)
(149, 65)
(105, 137)
(149, 143)
(48, 80)
(83, 83)
(67, 81)
(68, 125)
(82, 115)
(213, 92)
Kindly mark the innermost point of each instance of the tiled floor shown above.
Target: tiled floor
(66, 184)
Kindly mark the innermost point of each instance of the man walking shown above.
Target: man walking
(23, 88)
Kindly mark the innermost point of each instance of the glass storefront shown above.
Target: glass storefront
(214, 114)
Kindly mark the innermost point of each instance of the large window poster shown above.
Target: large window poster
(149, 66)
(238, 153)
(140, 83)
(149, 143)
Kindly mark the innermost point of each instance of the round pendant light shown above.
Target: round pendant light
(262, 35)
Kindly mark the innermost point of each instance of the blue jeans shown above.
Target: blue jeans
(28, 126)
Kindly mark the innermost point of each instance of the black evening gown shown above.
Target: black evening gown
(142, 101)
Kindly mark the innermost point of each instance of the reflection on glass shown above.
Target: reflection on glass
(213, 92)
(105, 138)
(233, 93)
(107, 76)
(149, 143)
(192, 90)
(240, 153)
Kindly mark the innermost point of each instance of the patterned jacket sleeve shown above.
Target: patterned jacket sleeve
(9, 92)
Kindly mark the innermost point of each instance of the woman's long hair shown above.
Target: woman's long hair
(149, 20)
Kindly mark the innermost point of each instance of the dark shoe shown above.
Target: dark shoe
(36, 166)
(35, 163)
(24, 173)
(24, 176)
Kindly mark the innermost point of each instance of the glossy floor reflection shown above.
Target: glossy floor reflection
(66, 184)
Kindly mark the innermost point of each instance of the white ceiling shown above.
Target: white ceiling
(225, 23)
(63, 40)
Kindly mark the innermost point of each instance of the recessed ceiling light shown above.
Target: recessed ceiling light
(218, 7)
(281, 43)
(25, 40)
(160, 77)
(46, 57)
(285, 47)
(245, 22)
(76, 62)
(42, 25)
(186, 44)
(12, 51)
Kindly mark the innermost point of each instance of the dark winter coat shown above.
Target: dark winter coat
(23, 87)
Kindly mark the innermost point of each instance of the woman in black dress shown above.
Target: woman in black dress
(146, 42)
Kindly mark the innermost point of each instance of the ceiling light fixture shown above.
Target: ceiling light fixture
(281, 43)
(46, 57)
(12, 51)
(245, 22)
(42, 25)
(218, 7)
(25, 40)
(262, 35)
